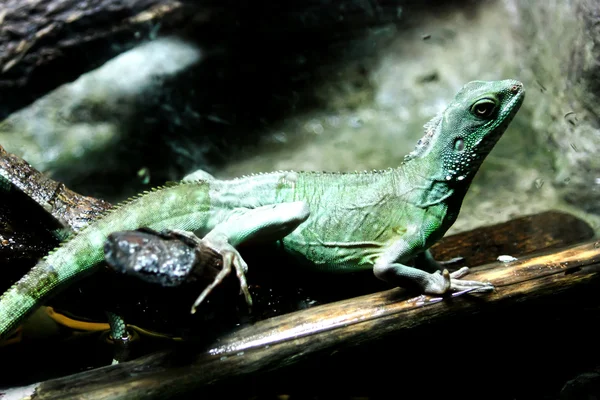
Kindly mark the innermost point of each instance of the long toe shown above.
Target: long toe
(477, 286)
(459, 273)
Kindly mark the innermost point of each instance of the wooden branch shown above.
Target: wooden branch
(46, 43)
(341, 326)
(520, 236)
(72, 210)
(29, 215)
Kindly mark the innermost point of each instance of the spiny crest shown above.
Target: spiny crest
(423, 143)
(313, 173)
(356, 172)
(109, 211)
(130, 200)
(259, 174)
(54, 250)
(256, 174)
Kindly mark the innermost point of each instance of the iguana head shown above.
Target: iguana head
(464, 133)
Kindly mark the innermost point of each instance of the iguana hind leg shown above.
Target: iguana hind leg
(266, 223)
(231, 258)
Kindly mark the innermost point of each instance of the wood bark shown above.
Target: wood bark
(46, 43)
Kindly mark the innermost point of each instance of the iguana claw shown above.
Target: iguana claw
(231, 257)
(443, 282)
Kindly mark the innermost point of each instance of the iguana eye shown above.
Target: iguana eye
(483, 108)
(459, 144)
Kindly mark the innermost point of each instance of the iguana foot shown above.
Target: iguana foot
(231, 257)
(444, 282)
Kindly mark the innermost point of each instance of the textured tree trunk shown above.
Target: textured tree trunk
(45, 43)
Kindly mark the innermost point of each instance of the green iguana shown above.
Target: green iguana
(337, 222)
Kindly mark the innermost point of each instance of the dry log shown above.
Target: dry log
(347, 326)
(29, 214)
(72, 210)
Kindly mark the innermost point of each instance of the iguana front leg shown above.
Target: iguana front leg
(266, 223)
(388, 268)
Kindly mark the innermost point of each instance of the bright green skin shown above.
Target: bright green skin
(335, 221)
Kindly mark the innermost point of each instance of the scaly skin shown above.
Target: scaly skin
(332, 221)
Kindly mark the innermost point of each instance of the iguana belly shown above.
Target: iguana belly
(346, 239)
